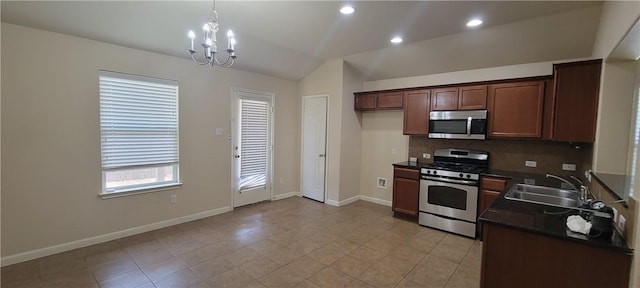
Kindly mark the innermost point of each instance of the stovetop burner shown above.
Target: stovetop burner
(457, 167)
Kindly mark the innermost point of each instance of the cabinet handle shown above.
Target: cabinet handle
(321, 155)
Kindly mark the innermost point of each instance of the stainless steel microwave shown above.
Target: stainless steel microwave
(470, 124)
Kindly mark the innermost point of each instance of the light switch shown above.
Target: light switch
(219, 132)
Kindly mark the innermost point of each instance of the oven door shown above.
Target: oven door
(454, 200)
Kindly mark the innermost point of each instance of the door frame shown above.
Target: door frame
(232, 135)
(326, 145)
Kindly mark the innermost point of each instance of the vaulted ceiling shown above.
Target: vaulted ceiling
(289, 39)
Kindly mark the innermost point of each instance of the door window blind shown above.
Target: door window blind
(138, 121)
(254, 143)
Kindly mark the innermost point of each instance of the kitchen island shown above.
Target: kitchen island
(528, 245)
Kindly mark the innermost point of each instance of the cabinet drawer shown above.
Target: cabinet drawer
(494, 184)
(406, 173)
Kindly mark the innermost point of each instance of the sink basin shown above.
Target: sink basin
(544, 195)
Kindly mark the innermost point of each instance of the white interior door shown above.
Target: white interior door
(314, 141)
(251, 146)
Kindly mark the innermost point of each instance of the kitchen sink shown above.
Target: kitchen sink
(544, 195)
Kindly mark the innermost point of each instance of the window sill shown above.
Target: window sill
(130, 192)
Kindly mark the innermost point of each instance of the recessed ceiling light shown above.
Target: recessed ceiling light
(347, 10)
(396, 40)
(474, 23)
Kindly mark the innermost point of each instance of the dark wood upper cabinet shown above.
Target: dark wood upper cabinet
(444, 99)
(459, 98)
(472, 97)
(389, 100)
(576, 89)
(515, 109)
(365, 101)
(416, 112)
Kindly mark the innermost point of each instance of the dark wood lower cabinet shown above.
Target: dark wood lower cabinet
(516, 258)
(406, 190)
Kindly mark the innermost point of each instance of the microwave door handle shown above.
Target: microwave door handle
(469, 125)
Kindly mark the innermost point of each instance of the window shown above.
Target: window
(254, 143)
(139, 132)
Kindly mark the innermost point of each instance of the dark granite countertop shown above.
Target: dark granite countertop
(542, 219)
(535, 218)
(409, 165)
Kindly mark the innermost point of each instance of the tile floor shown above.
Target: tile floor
(293, 242)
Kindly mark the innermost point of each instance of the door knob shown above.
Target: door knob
(236, 156)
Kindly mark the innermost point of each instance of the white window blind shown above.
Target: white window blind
(139, 128)
(254, 143)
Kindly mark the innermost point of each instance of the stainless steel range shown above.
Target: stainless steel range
(449, 190)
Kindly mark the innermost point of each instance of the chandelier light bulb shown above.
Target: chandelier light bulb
(192, 35)
(230, 34)
(205, 27)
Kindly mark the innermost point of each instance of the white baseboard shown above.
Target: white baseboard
(332, 202)
(30, 255)
(285, 195)
(349, 200)
(376, 200)
(356, 198)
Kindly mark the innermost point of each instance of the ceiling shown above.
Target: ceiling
(286, 39)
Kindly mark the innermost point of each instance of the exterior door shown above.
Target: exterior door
(251, 146)
(314, 141)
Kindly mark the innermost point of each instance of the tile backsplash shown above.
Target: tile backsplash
(511, 155)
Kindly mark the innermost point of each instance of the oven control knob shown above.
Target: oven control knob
(468, 175)
(461, 175)
(428, 171)
(435, 172)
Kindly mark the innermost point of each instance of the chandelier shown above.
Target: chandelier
(209, 45)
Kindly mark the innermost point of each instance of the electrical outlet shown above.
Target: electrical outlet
(530, 163)
(393, 151)
(173, 199)
(569, 167)
(382, 183)
(426, 155)
(621, 222)
(219, 132)
(281, 180)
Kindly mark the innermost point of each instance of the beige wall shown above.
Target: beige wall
(616, 19)
(350, 140)
(343, 135)
(51, 139)
(327, 79)
(614, 121)
(381, 133)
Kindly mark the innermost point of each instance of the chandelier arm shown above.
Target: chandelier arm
(193, 57)
(223, 63)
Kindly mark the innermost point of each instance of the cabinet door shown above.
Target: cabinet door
(389, 100)
(366, 101)
(486, 198)
(444, 99)
(405, 196)
(416, 112)
(577, 87)
(472, 97)
(515, 109)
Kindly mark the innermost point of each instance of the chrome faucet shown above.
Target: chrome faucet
(583, 190)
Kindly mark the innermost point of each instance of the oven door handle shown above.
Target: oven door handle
(445, 180)
(469, 119)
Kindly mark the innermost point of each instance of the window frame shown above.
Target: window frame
(143, 187)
